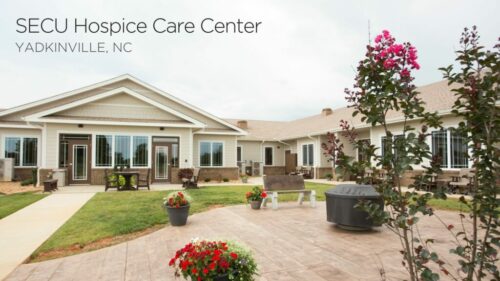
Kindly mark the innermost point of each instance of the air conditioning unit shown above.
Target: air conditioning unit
(7, 169)
(256, 169)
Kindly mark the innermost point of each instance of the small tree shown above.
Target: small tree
(384, 84)
(478, 92)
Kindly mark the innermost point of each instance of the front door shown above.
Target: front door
(290, 161)
(165, 155)
(79, 153)
(161, 163)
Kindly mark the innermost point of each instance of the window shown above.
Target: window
(440, 146)
(121, 151)
(103, 151)
(23, 150)
(386, 145)
(458, 151)
(307, 155)
(63, 154)
(175, 155)
(211, 154)
(238, 154)
(268, 156)
(362, 157)
(451, 147)
(140, 150)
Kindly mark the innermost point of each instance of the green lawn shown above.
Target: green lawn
(120, 213)
(14, 202)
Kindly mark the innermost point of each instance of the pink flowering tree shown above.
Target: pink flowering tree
(384, 86)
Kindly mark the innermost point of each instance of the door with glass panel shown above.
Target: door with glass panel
(161, 162)
(165, 155)
(74, 155)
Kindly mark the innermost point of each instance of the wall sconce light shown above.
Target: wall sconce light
(278, 147)
(161, 128)
(80, 125)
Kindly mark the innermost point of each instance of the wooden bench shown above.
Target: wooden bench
(275, 185)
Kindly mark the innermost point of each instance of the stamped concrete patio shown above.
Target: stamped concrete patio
(292, 243)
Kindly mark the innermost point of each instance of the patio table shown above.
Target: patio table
(127, 175)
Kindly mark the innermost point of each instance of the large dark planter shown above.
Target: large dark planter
(340, 202)
(256, 204)
(178, 216)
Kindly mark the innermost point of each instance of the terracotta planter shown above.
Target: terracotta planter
(256, 204)
(178, 216)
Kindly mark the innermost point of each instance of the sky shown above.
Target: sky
(299, 62)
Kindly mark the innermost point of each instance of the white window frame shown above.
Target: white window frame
(21, 152)
(113, 135)
(272, 155)
(307, 153)
(448, 150)
(211, 152)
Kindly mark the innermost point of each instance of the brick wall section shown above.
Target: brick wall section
(274, 170)
(21, 174)
(217, 174)
(322, 171)
(97, 175)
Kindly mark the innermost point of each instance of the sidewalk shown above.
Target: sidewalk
(24, 231)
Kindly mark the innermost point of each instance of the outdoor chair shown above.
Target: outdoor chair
(110, 181)
(287, 184)
(193, 181)
(141, 182)
(305, 172)
(463, 182)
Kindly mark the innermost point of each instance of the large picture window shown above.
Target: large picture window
(308, 154)
(211, 154)
(268, 156)
(103, 151)
(24, 150)
(140, 147)
(385, 145)
(121, 150)
(451, 147)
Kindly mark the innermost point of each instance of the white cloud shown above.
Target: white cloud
(299, 62)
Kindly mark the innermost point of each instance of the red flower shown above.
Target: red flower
(233, 255)
(264, 195)
(194, 271)
(205, 271)
(212, 265)
(184, 265)
(172, 261)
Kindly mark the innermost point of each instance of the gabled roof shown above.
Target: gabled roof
(115, 80)
(437, 96)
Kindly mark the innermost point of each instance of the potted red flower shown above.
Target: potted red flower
(214, 260)
(255, 197)
(177, 206)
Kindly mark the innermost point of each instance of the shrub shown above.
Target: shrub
(27, 182)
(185, 173)
(225, 180)
(207, 180)
(328, 176)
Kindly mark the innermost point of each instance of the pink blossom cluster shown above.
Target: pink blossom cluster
(395, 56)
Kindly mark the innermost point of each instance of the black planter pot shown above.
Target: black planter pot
(256, 204)
(178, 216)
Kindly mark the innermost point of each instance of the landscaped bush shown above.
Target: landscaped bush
(185, 173)
(225, 180)
(27, 182)
(207, 179)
